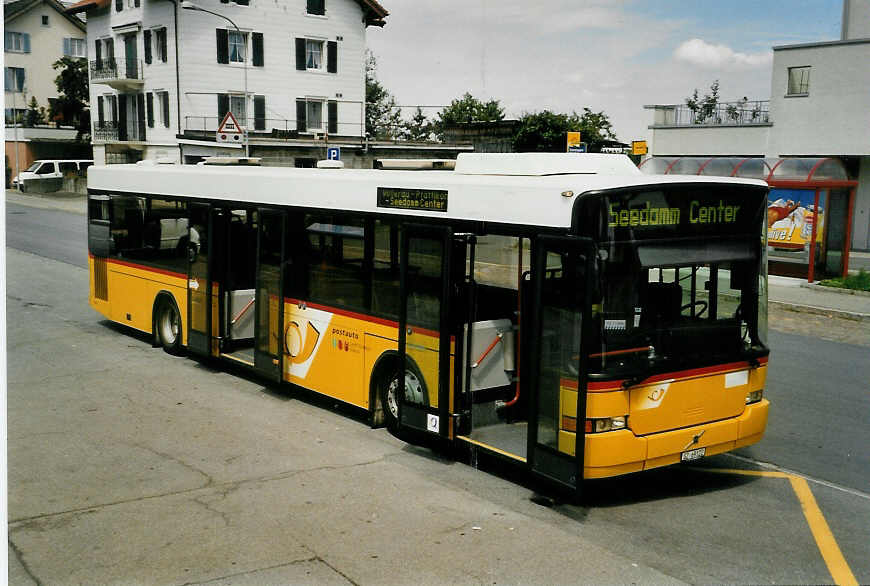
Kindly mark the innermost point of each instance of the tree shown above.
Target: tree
(467, 109)
(71, 105)
(418, 128)
(383, 116)
(35, 114)
(704, 109)
(546, 131)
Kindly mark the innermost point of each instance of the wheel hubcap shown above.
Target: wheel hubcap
(169, 326)
(413, 392)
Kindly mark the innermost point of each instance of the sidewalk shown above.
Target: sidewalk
(785, 292)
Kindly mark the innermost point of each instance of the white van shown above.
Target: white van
(52, 169)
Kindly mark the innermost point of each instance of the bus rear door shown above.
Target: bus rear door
(560, 310)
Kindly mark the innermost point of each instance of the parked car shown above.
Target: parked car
(51, 169)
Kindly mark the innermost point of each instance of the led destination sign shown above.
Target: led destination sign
(694, 210)
(647, 215)
(429, 200)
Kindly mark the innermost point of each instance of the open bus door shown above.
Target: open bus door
(269, 294)
(199, 280)
(560, 310)
(426, 335)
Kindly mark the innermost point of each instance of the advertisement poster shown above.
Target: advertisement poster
(791, 214)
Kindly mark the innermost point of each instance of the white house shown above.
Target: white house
(36, 34)
(819, 106)
(163, 73)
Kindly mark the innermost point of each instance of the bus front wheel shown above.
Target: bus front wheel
(389, 389)
(167, 326)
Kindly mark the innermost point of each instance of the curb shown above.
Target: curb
(838, 290)
(797, 308)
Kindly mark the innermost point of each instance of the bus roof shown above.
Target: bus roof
(485, 189)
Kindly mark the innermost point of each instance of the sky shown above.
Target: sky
(613, 56)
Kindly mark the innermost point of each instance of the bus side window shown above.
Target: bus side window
(385, 270)
(335, 261)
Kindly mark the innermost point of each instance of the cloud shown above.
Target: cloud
(703, 54)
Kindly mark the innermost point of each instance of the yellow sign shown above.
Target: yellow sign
(638, 147)
(573, 142)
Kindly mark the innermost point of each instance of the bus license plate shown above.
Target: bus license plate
(692, 455)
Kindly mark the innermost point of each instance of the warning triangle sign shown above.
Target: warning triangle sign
(229, 125)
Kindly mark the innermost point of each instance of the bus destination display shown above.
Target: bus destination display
(708, 212)
(430, 200)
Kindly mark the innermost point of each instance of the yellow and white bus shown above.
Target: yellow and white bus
(562, 312)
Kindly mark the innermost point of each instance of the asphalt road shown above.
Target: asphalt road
(128, 465)
(50, 233)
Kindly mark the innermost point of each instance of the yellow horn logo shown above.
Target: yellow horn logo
(299, 347)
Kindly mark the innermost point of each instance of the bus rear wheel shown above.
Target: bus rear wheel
(167, 326)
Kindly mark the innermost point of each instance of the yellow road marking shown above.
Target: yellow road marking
(837, 566)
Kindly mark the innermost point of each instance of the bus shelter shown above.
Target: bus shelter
(809, 208)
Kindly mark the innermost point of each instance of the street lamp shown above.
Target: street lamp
(188, 5)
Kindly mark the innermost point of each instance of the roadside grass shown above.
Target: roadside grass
(859, 282)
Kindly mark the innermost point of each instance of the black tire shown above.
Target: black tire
(388, 390)
(167, 326)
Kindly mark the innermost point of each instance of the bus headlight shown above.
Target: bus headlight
(599, 425)
(754, 396)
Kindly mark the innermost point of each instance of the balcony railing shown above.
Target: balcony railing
(116, 70)
(741, 113)
(111, 131)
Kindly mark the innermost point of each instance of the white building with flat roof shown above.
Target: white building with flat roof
(819, 106)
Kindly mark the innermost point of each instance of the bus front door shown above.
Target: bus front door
(199, 279)
(424, 331)
(269, 294)
(560, 307)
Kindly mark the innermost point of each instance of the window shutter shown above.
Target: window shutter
(7, 40)
(66, 47)
(25, 42)
(165, 100)
(332, 117)
(258, 49)
(300, 54)
(122, 116)
(146, 36)
(98, 53)
(223, 106)
(150, 100)
(332, 57)
(259, 112)
(300, 115)
(223, 49)
(162, 39)
(20, 81)
(140, 115)
(114, 99)
(100, 111)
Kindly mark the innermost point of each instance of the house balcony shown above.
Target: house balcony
(111, 131)
(120, 74)
(740, 113)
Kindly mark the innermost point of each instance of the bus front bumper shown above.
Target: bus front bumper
(620, 452)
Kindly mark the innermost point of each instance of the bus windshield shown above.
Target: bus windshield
(683, 293)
